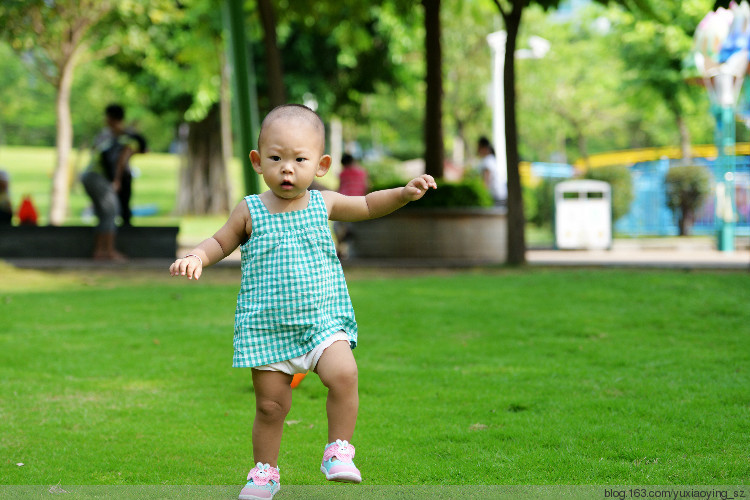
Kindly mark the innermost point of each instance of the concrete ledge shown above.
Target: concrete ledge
(66, 242)
(468, 235)
(645, 259)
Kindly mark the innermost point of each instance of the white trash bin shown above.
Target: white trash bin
(583, 215)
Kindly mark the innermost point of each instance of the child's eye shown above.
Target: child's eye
(300, 160)
(275, 158)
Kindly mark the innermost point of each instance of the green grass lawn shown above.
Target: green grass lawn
(477, 377)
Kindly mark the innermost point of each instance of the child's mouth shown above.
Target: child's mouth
(287, 184)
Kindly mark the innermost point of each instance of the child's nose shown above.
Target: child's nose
(287, 167)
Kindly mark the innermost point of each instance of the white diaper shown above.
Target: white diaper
(308, 361)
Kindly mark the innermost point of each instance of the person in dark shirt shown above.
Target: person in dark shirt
(107, 179)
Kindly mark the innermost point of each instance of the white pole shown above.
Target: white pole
(336, 147)
(496, 41)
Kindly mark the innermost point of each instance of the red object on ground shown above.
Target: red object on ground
(27, 214)
(297, 379)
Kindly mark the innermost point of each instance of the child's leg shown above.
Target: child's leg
(273, 399)
(338, 372)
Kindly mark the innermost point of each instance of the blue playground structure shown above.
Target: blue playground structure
(649, 214)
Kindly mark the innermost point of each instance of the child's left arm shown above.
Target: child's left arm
(378, 203)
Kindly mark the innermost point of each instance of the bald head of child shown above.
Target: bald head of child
(291, 151)
(297, 114)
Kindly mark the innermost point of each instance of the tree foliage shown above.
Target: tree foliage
(333, 53)
(653, 48)
(512, 12)
(575, 88)
(54, 36)
(467, 72)
(174, 52)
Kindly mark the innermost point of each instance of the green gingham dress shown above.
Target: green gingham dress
(293, 294)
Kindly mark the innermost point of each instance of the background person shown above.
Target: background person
(353, 181)
(105, 175)
(493, 179)
(125, 193)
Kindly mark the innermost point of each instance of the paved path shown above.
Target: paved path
(675, 259)
(681, 253)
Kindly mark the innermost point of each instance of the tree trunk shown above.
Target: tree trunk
(685, 140)
(583, 151)
(203, 180)
(685, 222)
(516, 219)
(459, 156)
(225, 103)
(64, 143)
(686, 149)
(276, 89)
(433, 123)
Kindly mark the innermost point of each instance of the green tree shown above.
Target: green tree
(391, 118)
(334, 54)
(55, 37)
(512, 13)
(467, 62)
(654, 48)
(576, 86)
(325, 53)
(687, 188)
(175, 54)
(274, 63)
(27, 116)
(434, 146)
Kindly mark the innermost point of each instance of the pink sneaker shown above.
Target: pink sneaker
(337, 463)
(262, 483)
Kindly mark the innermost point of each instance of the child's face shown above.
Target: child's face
(290, 157)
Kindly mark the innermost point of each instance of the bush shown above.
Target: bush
(618, 177)
(687, 187)
(466, 193)
(384, 172)
(530, 203)
(544, 196)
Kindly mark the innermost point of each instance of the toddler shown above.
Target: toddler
(293, 308)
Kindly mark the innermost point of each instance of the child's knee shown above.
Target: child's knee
(271, 409)
(344, 376)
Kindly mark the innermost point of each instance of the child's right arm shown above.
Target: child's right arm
(233, 233)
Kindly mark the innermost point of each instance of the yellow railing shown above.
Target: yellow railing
(630, 156)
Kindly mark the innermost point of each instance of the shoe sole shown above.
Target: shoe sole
(253, 497)
(341, 477)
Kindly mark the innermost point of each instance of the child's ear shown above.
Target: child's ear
(323, 166)
(255, 159)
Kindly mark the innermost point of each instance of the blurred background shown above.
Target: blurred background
(614, 95)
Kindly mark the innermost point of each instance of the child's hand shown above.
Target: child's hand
(418, 186)
(190, 266)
